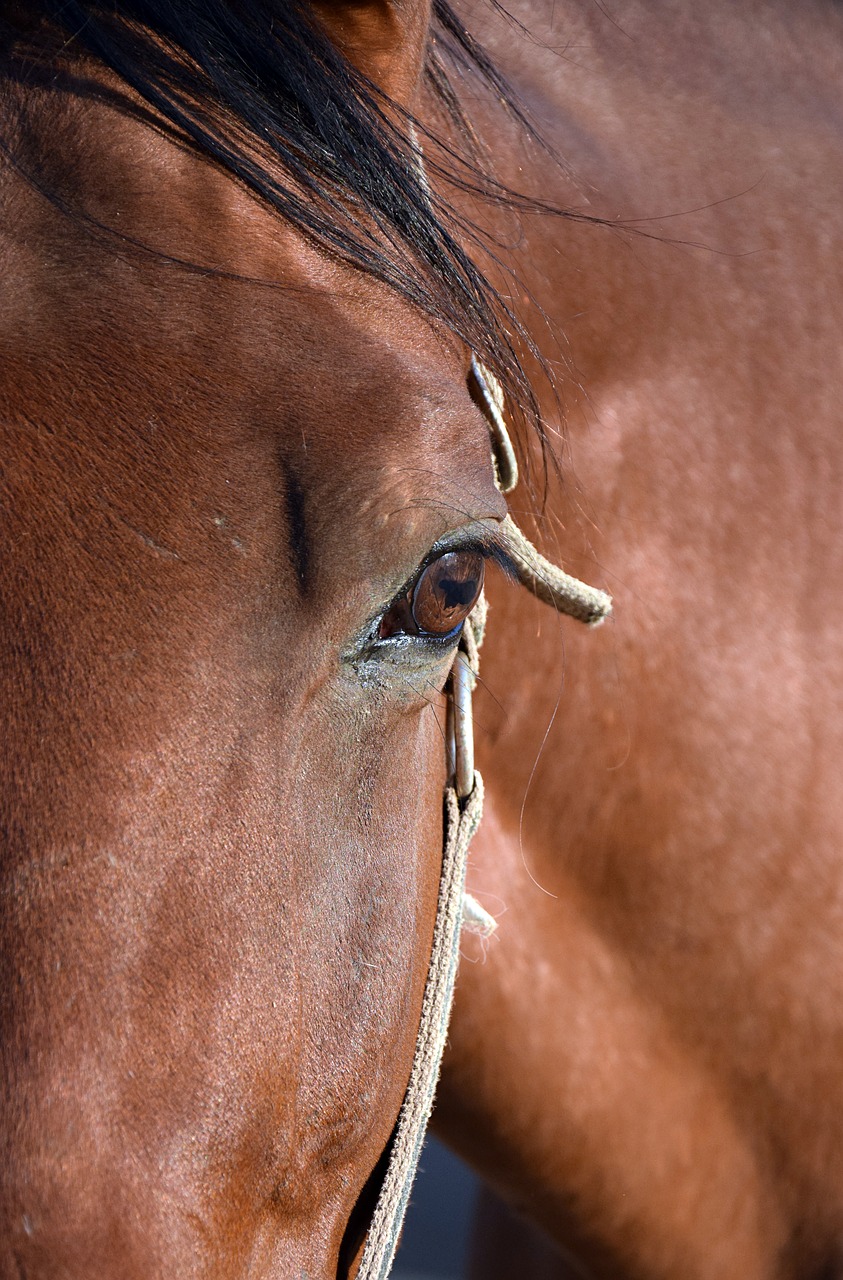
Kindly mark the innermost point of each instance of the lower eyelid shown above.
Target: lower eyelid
(404, 639)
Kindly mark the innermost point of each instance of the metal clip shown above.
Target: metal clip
(459, 729)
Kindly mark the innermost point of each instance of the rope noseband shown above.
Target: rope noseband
(463, 809)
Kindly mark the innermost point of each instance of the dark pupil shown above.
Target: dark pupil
(447, 591)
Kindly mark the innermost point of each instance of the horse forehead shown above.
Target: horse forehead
(219, 373)
(388, 435)
(353, 384)
(367, 406)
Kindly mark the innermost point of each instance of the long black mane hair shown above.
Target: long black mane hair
(258, 87)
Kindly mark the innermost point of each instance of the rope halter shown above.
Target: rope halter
(457, 909)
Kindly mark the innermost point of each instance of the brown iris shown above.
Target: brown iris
(441, 598)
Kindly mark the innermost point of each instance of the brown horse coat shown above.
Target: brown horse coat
(648, 1063)
(221, 801)
(221, 828)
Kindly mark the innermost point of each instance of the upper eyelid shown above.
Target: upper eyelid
(484, 540)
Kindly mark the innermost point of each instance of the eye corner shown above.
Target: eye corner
(397, 619)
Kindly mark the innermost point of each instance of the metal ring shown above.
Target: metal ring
(462, 680)
(450, 736)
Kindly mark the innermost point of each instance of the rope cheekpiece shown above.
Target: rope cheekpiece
(461, 822)
(551, 585)
(463, 809)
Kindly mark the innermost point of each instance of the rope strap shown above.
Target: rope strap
(551, 585)
(490, 395)
(461, 822)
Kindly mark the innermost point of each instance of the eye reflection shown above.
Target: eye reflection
(441, 598)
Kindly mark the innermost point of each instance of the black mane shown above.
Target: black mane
(259, 87)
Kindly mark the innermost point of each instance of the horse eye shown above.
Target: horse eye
(441, 598)
(447, 591)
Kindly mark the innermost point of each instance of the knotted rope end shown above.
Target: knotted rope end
(476, 919)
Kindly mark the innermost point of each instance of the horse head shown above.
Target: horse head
(233, 462)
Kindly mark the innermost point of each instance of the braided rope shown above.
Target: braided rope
(552, 585)
(461, 822)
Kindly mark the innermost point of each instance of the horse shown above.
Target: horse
(645, 1064)
(248, 497)
(253, 254)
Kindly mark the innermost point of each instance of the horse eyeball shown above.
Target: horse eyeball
(446, 592)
